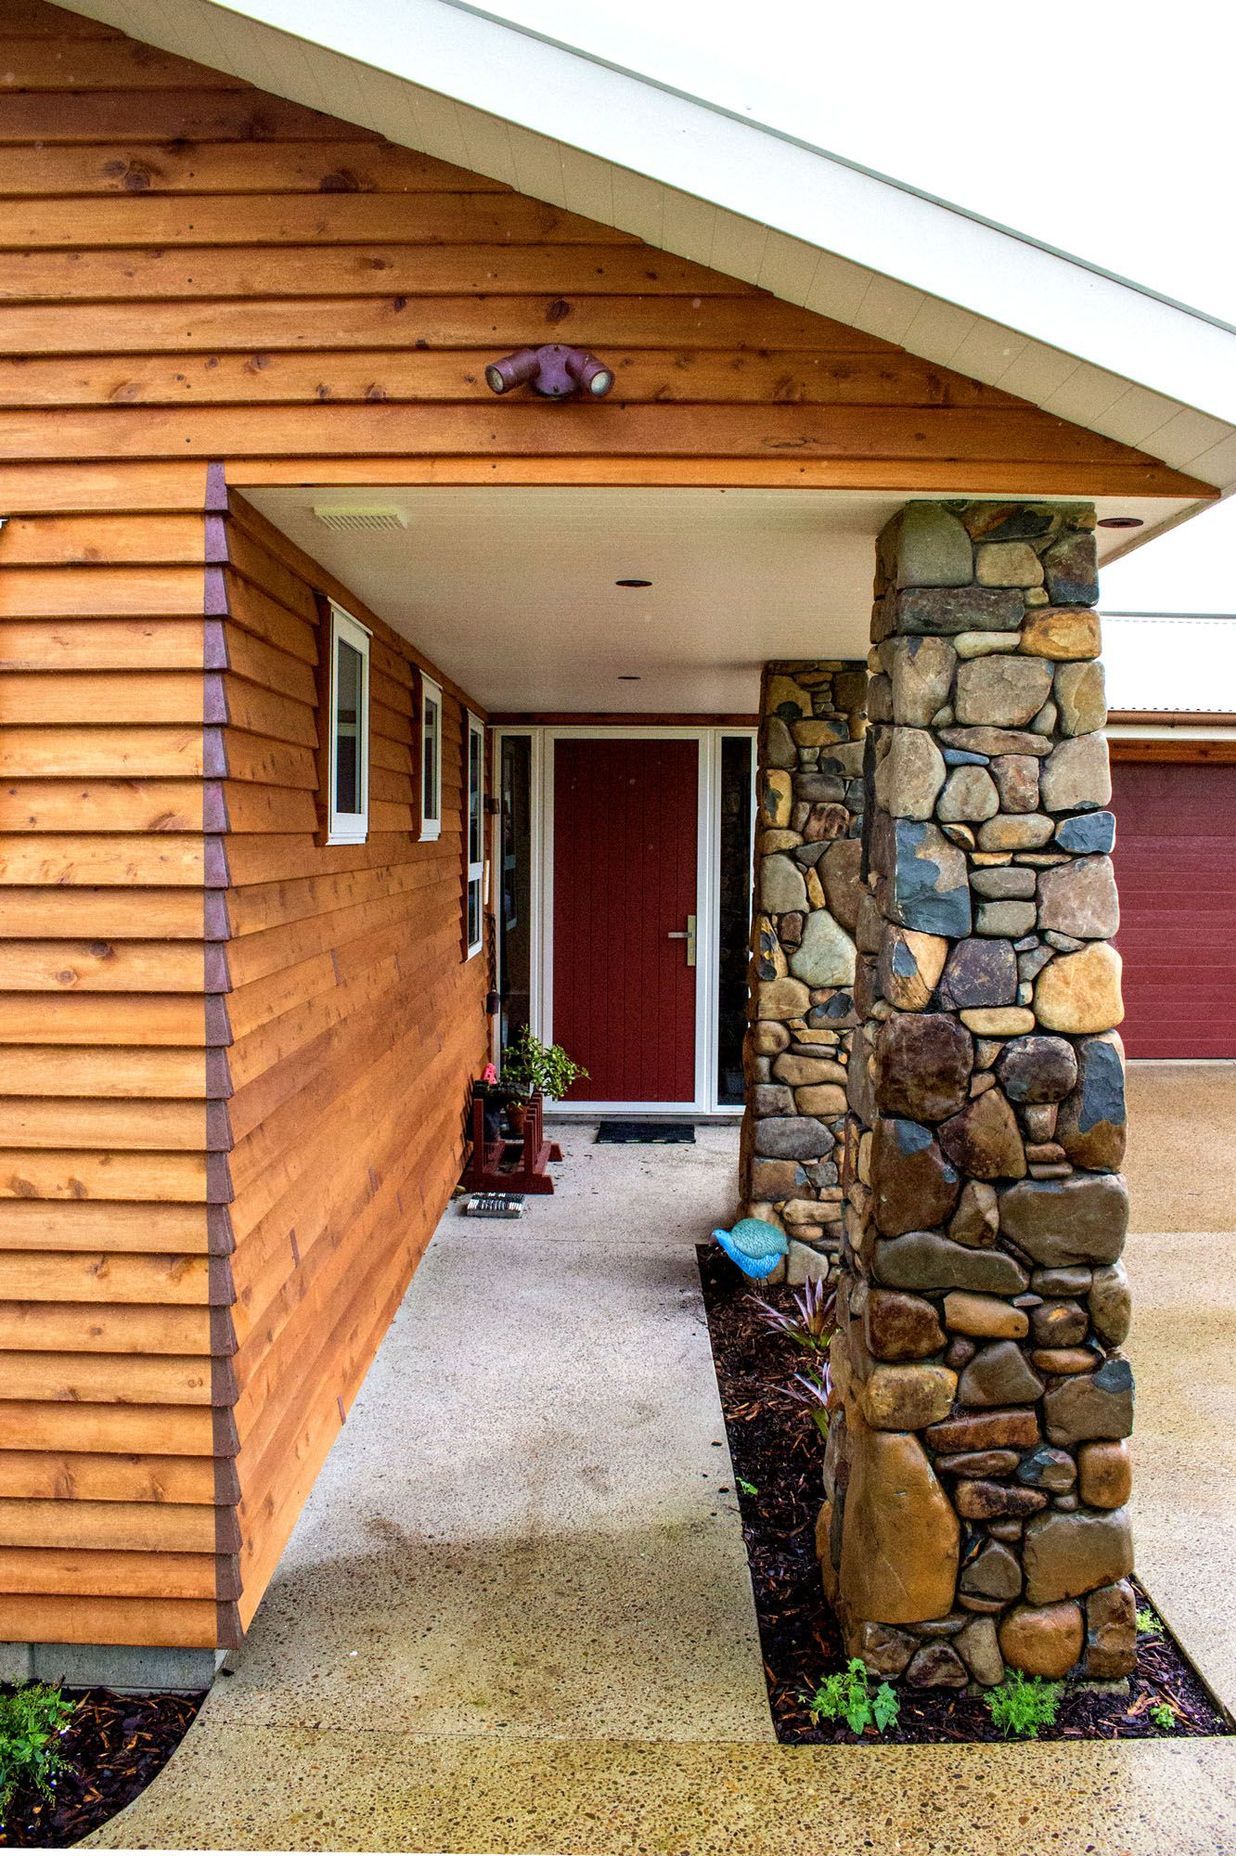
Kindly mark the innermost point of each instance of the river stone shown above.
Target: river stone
(1072, 572)
(786, 698)
(1047, 1468)
(992, 1501)
(984, 1316)
(994, 1572)
(1056, 1222)
(907, 1398)
(1059, 1324)
(1007, 563)
(793, 1137)
(1002, 882)
(979, 1648)
(932, 548)
(841, 870)
(1060, 633)
(1110, 1304)
(1079, 898)
(784, 998)
(991, 742)
(1105, 1470)
(782, 887)
(977, 1218)
(909, 778)
(821, 1099)
(1015, 831)
(999, 1375)
(945, 610)
(937, 1665)
(923, 1065)
(1087, 832)
(900, 1536)
(913, 1184)
(1080, 993)
(909, 967)
(969, 793)
(777, 798)
(1111, 1632)
(998, 1021)
(1081, 698)
(1091, 1123)
(1074, 1279)
(921, 673)
(826, 955)
(1091, 1405)
(774, 1180)
(768, 1037)
(900, 1327)
(928, 886)
(924, 1260)
(1017, 781)
(983, 1141)
(1037, 1069)
(771, 1099)
(1001, 691)
(985, 1430)
(981, 1464)
(1042, 1640)
(1076, 776)
(1068, 1554)
(779, 748)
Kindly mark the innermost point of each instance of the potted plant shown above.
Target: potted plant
(531, 1068)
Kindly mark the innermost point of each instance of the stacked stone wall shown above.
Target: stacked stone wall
(977, 1468)
(807, 894)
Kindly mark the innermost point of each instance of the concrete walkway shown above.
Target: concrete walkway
(515, 1615)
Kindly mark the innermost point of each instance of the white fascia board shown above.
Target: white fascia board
(756, 173)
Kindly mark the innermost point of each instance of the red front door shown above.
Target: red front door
(624, 882)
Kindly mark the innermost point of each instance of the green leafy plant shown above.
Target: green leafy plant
(1148, 1622)
(812, 1322)
(1164, 1716)
(1023, 1704)
(748, 1488)
(846, 1695)
(32, 1719)
(814, 1388)
(529, 1066)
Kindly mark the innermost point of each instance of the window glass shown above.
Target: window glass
(348, 671)
(348, 737)
(474, 906)
(431, 759)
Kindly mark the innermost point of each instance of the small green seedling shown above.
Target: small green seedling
(1164, 1716)
(1148, 1622)
(1023, 1704)
(847, 1695)
(32, 1720)
(748, 1488)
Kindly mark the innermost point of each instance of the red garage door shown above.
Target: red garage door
(1176, 867)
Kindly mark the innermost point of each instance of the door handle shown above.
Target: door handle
(686, 934)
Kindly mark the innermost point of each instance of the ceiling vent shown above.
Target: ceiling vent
(359, 518)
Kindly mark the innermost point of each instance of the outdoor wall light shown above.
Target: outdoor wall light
(554, 371)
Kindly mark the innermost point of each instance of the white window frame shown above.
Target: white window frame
(431, 816)
(475, 869)
(347, 827)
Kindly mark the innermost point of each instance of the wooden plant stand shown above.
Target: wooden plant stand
(508, 1165)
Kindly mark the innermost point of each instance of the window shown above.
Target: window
(348, 740)
(474, 903)
(431, 759)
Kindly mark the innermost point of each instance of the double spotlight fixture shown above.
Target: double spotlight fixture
(554, 371)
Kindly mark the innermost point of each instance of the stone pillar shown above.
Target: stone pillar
(807, 894)
(977, 1468)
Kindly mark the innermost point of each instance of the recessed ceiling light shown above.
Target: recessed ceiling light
(632, 582)
(628, 679)
(1121, 522)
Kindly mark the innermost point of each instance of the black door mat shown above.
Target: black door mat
(647, 1133)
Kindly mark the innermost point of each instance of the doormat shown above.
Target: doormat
(647, 1133)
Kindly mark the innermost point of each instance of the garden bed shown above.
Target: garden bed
(777, 1454)
(113, 1746)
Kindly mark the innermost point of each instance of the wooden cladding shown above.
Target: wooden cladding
(192, 268)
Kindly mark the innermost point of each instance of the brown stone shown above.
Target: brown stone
(912, 1183)
(979, 973)
(994, 1572)
(983, 1501)
(1042, 1640)
(768, 1038)
(885, 1652)
(1060, 1360)
(900, 1539)
(783, 998)
(937, 1665)
(1017, 781)
(980, 1465)
(1079, 899)
(1111, 1632)
(1091, 1405)
(772, 1180)
(1059, 1324)
(907, 1398)
(995, 741)
(1078, 1220)
(802, 1072)
(1110, 1305)
(1081, 698)
(1007, 563)
(1105, 1474)
(979, 1648)
(1091, 1123)
(821, 1099)
(1003, 691)
(1068, 1554)
(923, 1065)
(1037, 1069)
(921, 675)
(900, 1327)
(840, 867)
(925, 1260)
(983, 1140)
(1076, 776)
(998, 1021)
(984, 1316)
(969, 795)
(977, 1218)
(910, 966)
(986, 1430)
(1016, 831)
(999, 1375)
(1061, 632)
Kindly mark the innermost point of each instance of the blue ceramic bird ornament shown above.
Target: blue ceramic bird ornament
(754, 1246)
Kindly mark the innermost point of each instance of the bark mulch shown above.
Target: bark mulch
(114, 1745)
(778, 1455)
